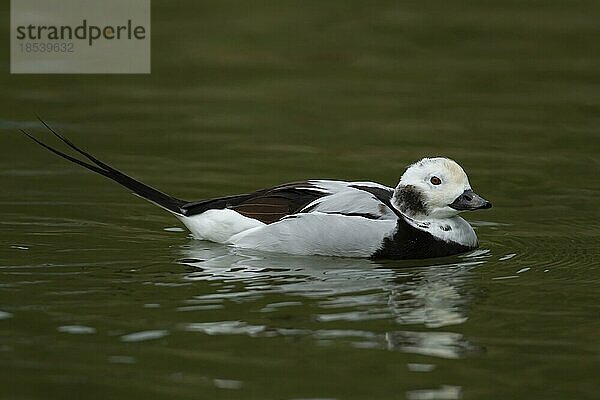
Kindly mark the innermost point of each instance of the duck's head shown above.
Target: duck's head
(436, 188)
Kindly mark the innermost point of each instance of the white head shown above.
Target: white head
(435, 188)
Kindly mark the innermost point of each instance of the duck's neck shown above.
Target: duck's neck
(410, 201)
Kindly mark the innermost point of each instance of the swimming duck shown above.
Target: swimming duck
(416, 219)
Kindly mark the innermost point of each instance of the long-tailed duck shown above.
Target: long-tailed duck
(416, 219)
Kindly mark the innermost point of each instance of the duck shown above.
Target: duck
(418, 218)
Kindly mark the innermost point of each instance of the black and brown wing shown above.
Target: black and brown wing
(267, 205)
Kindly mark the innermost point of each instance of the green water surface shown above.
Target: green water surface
(104, 296)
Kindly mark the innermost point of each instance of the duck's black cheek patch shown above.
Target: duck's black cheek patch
(446, 228)
(411, 200)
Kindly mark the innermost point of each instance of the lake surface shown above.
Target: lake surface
(103, 295)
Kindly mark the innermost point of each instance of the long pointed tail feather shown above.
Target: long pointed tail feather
(149, 193)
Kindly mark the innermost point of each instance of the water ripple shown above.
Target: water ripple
(144, 335)
(437, 344)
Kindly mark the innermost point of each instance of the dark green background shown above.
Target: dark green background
(249, 94)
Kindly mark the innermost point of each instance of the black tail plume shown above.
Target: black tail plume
(149, 193)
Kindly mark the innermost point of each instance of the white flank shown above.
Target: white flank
(318, 234)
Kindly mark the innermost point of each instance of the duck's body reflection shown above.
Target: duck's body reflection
(413, 295)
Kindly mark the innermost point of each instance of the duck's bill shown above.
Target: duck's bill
(470, 200)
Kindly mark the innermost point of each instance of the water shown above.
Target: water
(101, 295)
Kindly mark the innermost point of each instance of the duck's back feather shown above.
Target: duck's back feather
(327, 196)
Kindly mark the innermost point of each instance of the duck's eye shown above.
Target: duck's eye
(435, 180)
